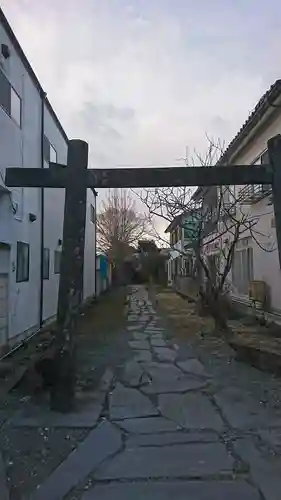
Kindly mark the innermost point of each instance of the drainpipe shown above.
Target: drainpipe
(41, 289)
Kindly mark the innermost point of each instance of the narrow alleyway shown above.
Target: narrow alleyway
(169, 429)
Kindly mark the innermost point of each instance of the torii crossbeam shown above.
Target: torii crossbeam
(76, 178)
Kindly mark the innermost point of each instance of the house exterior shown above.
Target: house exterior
(181, 256)
(256, 263)
(31, 220)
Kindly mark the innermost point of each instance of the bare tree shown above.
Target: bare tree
(212, 217)
(119, 224)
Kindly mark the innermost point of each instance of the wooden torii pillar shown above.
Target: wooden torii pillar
(76, 178)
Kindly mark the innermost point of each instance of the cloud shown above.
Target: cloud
(140, 80)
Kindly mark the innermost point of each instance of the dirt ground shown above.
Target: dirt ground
(31, 454)
(182, 314)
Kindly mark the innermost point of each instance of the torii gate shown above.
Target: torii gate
(76, 178)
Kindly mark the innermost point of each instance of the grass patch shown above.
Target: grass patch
(182, 314)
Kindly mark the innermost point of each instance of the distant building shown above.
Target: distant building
(181, 260)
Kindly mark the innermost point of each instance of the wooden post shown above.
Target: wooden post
(71, 275)
(274, 154)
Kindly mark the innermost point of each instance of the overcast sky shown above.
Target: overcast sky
(142, 79)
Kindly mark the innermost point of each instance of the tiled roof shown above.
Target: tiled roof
(261, 107)
(265, 102)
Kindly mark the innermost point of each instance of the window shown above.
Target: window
(9, 99)
(46, 264)
(5, 93)
(263, 159)
(57, 261)
(92, 213)
(15, 107)
(22, 262)
(50, 154)
(46, 149)
(53, 154)
(242, 266)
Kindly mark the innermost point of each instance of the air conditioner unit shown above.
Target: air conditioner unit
(258, 292)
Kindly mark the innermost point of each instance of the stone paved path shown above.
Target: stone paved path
(171, 431)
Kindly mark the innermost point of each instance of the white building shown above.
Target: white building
(256, 254)
(181, 257)
(31, 220)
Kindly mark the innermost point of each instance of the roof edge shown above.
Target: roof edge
(263, 105)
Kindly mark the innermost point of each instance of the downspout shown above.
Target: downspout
(41, 289)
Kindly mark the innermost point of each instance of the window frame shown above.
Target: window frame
(7, 108)
(23, 276)
(53, 149)
(48, 149)
(5, 82)
(242, 267)
(15, 93)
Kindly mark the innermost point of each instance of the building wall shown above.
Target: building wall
(53, 216)
(266, 264)
(20, 146)
(89, 254)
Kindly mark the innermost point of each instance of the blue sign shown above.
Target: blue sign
(103, 266)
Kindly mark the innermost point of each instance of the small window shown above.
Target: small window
(92, 214)
(53, 154)
(22, 262)
(50, 154)
(15, 107)
(57, 261)
(46, 264)
(5, 93)
(46, 149)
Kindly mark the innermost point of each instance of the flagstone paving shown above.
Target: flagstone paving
(171, 426)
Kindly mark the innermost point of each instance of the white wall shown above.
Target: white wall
(89, 253)
(53, 216)
(266, 264)
(21, 147)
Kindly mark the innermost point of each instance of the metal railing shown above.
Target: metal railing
(253, 193)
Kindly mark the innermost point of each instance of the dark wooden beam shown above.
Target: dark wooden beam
(179, 176)
(274, 153)
(71, 274)
(53, 177)
(56, 176)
